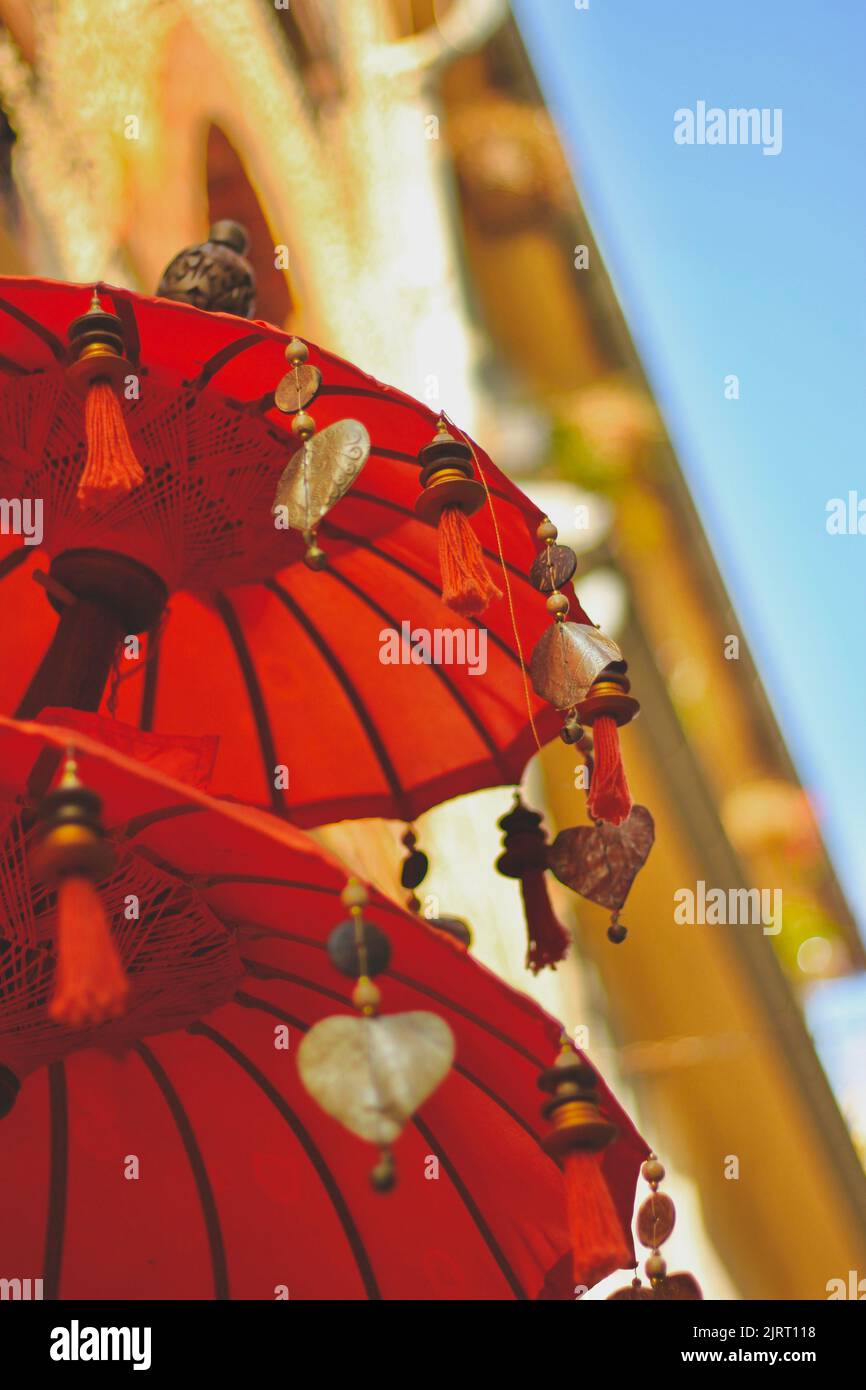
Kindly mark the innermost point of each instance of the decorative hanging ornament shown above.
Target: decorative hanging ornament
(372, 1073)
(72, 854)
(451, 493)
(578, 1139)
(579, 669)
(655, 1222)
(97, 371)
(413, 871)
(525, 858)
(323, 469)
(214, 275)
(602, 861)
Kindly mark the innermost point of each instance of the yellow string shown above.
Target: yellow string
(471, 447)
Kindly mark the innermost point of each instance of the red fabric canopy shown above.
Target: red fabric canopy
(244, 1184)
(282, 663)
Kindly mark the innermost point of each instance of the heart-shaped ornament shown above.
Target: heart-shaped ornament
(372, 1074)
(602, 861)
(320, 472)
(566, 660)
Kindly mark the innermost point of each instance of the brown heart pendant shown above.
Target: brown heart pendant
(602, 861)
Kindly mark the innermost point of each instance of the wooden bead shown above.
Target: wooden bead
(558, 605)
(546, 531)
(656, 1267)
(303, 425)
(652, 1170)
(297, 352)
(655, 1220)
(354, 894)
(552, 568)
(366, 996)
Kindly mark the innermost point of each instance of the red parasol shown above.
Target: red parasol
(285, 663)
(240, 1185)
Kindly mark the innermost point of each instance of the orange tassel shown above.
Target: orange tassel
(466, 585)
(112, 469)
(91, 984)
(597, 1239)
(548, 939)
(609, 798)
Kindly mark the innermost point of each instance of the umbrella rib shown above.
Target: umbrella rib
(308, 1144)
(274, 973)
(55, 1226)
(10, 562)
(256, 698)
(360, 542)
(350, 690)
(357, 494)
(225, 355)
(252, 1001)
(151, 677)
(437, 671)
(36, 327)
(206, 1197)
(472, 1207)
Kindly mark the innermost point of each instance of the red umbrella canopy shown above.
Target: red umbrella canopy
(322, 714)
(196, 1165)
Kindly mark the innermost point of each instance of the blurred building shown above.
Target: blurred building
(411, 207)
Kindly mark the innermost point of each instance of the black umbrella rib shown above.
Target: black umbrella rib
(462, 703)
(225, 355)
(13, 560)
(252, 1001)
(308, 1144)
(126, 313)
(351, 692)
(50, 339)
(151, 679)
(55, 1226)
(206, 1197)
(416, 407)
(256, 698)
(472, 1208)
(362, 543)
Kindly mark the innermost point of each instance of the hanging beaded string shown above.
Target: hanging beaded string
(366, 997)
(292, 395)
(655, 1222)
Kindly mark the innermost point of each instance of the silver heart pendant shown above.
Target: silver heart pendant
(372, 1074)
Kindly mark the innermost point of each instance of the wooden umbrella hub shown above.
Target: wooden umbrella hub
(101, 597)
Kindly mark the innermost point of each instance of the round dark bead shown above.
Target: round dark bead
(414, 868)
(617, 933)
(344, 954)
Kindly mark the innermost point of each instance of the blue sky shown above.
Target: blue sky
(726, 261)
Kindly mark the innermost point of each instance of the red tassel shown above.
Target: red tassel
(111, 470)
(548, 939)
(91, 984)
(597, 1239)
(609, 798)
(466, 584)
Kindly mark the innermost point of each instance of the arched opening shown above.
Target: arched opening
(230, 194)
